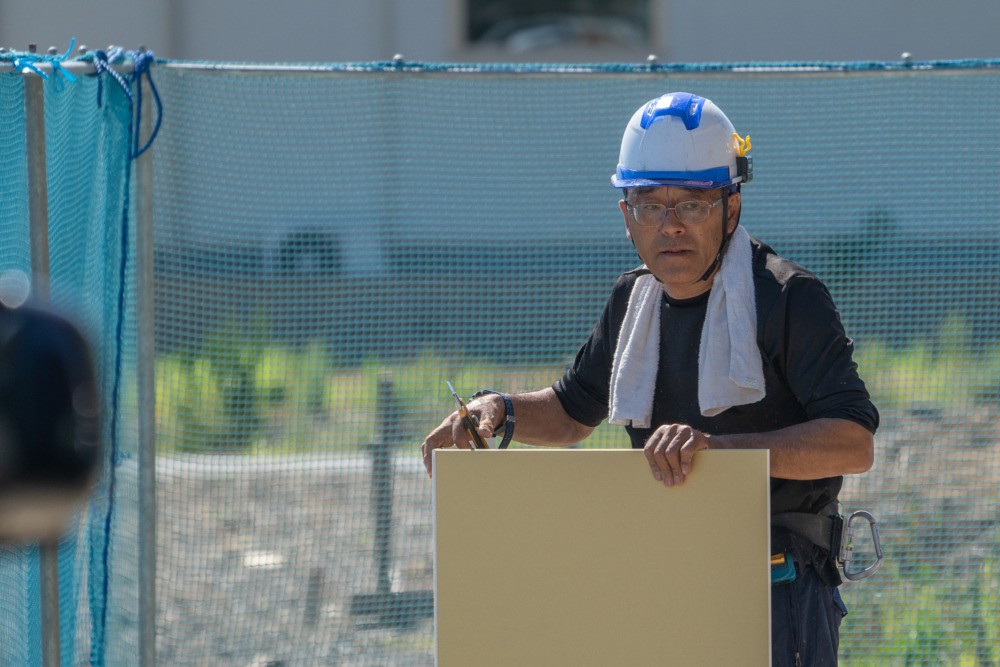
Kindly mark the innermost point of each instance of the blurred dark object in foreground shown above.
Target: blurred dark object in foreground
(49, 423)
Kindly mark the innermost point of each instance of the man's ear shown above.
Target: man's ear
(734, 212)
(624, 208)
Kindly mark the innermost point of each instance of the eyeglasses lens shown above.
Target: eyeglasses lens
(688, 212)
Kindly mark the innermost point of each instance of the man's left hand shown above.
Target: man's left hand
(670, 449)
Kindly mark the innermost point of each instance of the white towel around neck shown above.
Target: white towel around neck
(730, 370)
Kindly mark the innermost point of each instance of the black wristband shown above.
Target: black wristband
(508, 431)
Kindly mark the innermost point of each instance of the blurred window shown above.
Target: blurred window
(521, 26)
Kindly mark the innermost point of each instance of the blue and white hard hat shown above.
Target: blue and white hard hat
(683, 140)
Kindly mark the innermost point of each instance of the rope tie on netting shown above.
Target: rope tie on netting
(26, 61)
(103, 64)
(141, 61)
(59, 74)
(29, 60)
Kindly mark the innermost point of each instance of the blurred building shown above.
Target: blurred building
(513, 30)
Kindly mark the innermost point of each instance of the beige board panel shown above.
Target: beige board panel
(579, 557)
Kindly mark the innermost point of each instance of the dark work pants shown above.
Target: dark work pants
(805, 622)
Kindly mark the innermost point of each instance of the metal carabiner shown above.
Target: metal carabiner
(847, 547)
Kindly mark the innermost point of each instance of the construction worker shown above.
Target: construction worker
(715, 342)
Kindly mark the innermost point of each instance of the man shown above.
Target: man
(714, 343)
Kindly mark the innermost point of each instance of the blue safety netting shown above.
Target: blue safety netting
(87, 139)
(332, 243)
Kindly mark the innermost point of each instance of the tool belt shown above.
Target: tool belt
(834, 533)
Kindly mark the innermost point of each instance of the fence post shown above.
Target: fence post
(382, 483)
(400, 609)
(146, 362)
(38, 220)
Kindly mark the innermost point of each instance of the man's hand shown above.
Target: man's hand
(670, 449)
(488, 411)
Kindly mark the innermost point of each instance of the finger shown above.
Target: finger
(682, 438)
(662, 453)
(483, 429)
(697, 443)
(486, 414)
(655, 450)
(442, 437)
(669, 455)
(439, 437)
(486, 426)
(459, 436)
(648, 452)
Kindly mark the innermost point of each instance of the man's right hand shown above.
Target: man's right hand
(487, 410)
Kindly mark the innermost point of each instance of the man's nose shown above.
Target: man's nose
(671, 224)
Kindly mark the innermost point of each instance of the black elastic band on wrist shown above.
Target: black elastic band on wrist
(508, 431)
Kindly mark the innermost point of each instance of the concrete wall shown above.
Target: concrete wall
(432, 30)
(809, 30)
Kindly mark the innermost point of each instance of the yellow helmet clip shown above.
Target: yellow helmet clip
(741, 146)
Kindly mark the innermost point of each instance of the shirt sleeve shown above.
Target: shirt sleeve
(816, 356)
(585, 387)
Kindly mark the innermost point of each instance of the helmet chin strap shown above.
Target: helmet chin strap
(725, 239)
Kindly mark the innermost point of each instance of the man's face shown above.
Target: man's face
(678, 253)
